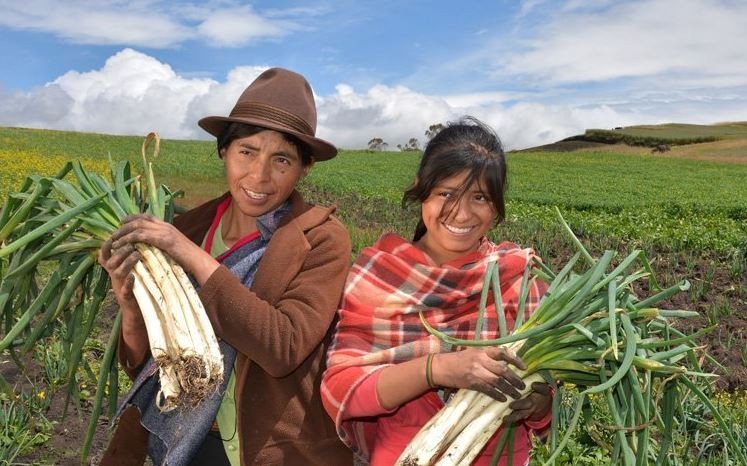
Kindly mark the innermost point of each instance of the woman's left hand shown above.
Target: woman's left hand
(144, 228)
(534, 406)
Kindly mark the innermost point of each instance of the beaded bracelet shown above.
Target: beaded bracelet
(428, 370)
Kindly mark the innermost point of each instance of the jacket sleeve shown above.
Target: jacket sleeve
(280, 337)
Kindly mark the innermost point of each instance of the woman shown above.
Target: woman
(270, 270)
(385, 373)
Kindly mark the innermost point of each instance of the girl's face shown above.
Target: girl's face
(455, 227)
(262, 170)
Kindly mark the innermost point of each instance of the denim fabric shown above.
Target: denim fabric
(176, 436)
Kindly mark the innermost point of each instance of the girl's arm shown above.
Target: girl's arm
(484, 370)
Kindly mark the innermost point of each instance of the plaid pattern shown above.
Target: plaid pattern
(379, 324)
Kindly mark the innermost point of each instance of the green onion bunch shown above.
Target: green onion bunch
(590, 331)
(50, 233)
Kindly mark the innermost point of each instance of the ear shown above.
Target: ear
(307, 169)
(222, 153)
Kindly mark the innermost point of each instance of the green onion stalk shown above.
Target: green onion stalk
(592, 332)
(50, 233)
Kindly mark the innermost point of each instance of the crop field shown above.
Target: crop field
(687, 211)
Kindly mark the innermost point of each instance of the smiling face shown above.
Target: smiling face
(455, 218)
(261, 170)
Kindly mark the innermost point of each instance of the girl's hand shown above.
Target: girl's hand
(484, 370)
(534, 406)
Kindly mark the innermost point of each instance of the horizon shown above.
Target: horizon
(537, 71)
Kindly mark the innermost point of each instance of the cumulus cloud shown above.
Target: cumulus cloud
(134, 93)
(148, 23)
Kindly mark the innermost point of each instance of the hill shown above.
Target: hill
(726, 142)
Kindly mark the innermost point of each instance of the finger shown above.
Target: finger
(133, 223)
(105, 252)
(121, 254)
(489, 390)
(501, 353)
(123, 230)
(129, 263)
(542, 388)
(505, 386)
(517, 416)
(129, 283)
(134, 217)
(518, 405)
(501, 369)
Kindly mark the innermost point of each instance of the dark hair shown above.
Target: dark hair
(235, 130)
(465, 145)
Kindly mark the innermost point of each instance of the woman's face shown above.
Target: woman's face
(459, 231)
(262, 170)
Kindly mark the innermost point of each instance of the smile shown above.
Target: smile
(458, 231)
(255, 195)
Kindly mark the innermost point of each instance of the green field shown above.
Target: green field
(667, 203)
(689, 215)
(735, 130)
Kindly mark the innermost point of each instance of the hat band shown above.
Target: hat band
(256, 110)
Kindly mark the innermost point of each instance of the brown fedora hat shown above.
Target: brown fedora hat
(280, 100)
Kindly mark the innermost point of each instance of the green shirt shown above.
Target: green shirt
(226, 417)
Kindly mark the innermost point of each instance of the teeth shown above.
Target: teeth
(254, 195)
(458, 231)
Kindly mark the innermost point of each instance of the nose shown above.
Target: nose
(259, 168)
(461, 211)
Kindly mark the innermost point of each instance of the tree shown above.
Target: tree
(377, 144)
(433, 130)
(412, 145)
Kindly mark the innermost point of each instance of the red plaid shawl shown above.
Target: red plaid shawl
(379, 323)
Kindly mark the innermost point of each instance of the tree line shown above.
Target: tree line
(378, 144)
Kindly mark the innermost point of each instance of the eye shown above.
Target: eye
(246, 151)
(480, 197)
(445, 194)
(285, 161)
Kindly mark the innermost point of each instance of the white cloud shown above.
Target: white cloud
(238, 26)
(394, 114)
(148, 23)
(134, 93)
(692, 40)
(102, 23)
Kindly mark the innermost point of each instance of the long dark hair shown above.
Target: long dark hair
(465, 145)
(235, 130)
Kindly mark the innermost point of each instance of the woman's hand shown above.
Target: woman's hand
(534, 406)
(484, 370)
(147, 229)
(119, 263)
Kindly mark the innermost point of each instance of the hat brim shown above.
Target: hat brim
(320, 149)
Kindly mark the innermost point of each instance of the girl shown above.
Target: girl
(386, 374)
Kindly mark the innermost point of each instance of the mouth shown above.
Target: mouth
(255, 195)
(458, 230)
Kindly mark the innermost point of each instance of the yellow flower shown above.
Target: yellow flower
(41, 395)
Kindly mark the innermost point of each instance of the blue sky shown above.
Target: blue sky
(536, 70)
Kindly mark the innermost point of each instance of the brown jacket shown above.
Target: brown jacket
(281, 329)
